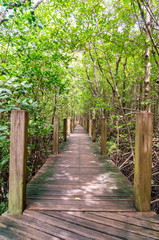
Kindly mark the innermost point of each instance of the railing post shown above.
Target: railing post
(65, 129)
(18, 161)
(68, 127)
(90, 127)
(56, 136)
(103, 136)
(87, 125)
(94, 130)
(143, 161)
(71, 125)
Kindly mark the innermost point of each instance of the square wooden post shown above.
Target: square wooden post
(68, 127)
(103, 136)
(94, 130)
(87, 125)
(71, 125)
(65, 129)
(56, 136)
(143, 161)
(18, 161)
(90, 127)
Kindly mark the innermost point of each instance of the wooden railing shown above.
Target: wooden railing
(18, 155)
(143, 155)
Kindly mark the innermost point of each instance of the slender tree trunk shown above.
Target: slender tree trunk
(147, 59)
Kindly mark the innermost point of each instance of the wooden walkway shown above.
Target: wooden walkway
(80, 195)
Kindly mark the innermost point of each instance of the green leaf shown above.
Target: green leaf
(2, 128)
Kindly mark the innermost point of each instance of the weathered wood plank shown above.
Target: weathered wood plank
(26, 232)
(147, 216)
(129, 219)
(112, 228)
(47, 228)
(67, 225)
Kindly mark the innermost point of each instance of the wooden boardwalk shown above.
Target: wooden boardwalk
(80, 195)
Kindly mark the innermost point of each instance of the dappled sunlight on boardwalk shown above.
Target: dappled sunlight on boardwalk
(80, 180)
(80, 195)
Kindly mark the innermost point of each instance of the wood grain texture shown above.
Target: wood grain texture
(143, 161)
(18, 159)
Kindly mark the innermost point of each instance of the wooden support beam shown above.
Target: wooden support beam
(71, 125)
(94, 130)
(87, 125)
(143, 161)
(103, 136)
(18, 161)
(68, 127)
(65, 129)
(90, 127)
(56, 136)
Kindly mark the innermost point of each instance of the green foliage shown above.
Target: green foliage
(73, 57)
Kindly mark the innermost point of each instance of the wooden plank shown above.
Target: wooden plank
(26, 232)
(7, 234)
(82, 219)
(116, 223)
(66, 225)
(52, 230)
(147, 216)
(128, 219)
(79, 206)
(18, 159)
(73, 198)
(143, 161)
(8, 230)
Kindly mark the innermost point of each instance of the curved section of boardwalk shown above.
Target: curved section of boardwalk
(80, 195)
